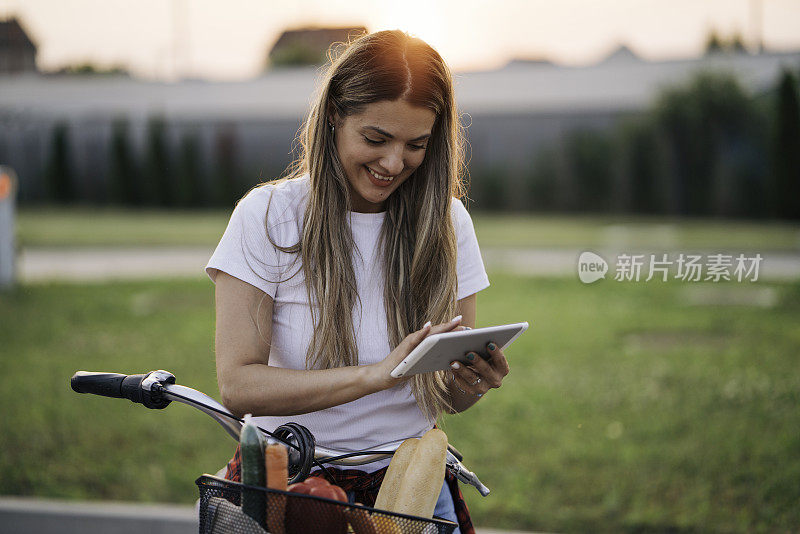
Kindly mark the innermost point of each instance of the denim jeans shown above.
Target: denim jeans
(445, 508)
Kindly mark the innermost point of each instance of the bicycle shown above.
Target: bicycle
(219, 497)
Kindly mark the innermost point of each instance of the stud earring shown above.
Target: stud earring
(333, 128)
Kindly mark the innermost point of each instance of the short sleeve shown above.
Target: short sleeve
(469, 267)
(244, 251)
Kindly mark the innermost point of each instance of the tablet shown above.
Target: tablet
(436, 351)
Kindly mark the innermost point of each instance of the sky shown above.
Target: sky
(229, 39)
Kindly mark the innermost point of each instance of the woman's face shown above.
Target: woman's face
(389, 138)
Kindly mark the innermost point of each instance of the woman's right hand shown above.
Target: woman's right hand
(381, 372)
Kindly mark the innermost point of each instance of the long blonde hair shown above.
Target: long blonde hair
(417, 236)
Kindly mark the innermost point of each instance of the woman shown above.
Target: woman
(367, 228)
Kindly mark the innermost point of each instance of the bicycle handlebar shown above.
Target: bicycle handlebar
(105, 384)
(136, 388)
(157, 389)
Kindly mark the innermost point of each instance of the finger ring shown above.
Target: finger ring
(453, 381)
(478, 381)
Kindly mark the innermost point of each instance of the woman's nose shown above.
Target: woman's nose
(392, 162)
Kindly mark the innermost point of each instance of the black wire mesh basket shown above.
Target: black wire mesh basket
(293, 513)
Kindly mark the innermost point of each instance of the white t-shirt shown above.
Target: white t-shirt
(245, 253)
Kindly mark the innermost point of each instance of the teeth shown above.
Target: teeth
(379, 177)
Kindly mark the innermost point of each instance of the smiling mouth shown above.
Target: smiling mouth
(381, 177)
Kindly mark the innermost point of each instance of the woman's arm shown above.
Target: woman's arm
(248, 384)
(464, 392)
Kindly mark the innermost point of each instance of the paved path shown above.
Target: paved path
(98, 264)
(22, 515)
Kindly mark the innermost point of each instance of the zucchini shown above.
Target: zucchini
(251, 443)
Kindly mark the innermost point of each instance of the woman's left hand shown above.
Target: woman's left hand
(479, 376)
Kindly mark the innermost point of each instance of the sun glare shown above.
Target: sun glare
(417, 17)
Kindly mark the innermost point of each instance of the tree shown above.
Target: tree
(59, 173)
(227, 174)
(159, 187)
(717, 44)
(542, 180)
(124, 187)
(641, 166)
(89, 69)
(714, 43)
(589, 164)
(296, 54)
(785, 197)
(190, 186)
(488, 187)
(704, 124)
(736, 44)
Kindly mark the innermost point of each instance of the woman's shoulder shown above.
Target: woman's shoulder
(285, 199)
(459, 212)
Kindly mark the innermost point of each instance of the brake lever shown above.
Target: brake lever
(465, 475)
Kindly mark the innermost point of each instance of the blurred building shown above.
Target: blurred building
(17, 51)
(247, 129)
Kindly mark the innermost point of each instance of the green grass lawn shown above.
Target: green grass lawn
(101, 227)
(80, 227)
(627, 409)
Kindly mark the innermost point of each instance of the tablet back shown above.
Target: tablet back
(437, 350)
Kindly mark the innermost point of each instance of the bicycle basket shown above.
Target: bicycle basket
(292, 513)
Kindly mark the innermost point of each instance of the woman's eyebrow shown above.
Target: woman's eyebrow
(390, 136)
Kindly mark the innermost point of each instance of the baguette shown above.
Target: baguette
(387, 494)
(277, 463)
(422, 482)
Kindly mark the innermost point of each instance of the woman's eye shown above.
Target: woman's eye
(380, 142)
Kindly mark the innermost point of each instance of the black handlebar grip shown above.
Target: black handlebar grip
(124, 386)
(132, 389)
(109, 385)
(105, 384)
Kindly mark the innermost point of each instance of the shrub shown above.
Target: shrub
(59, 174)
(785, 164)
